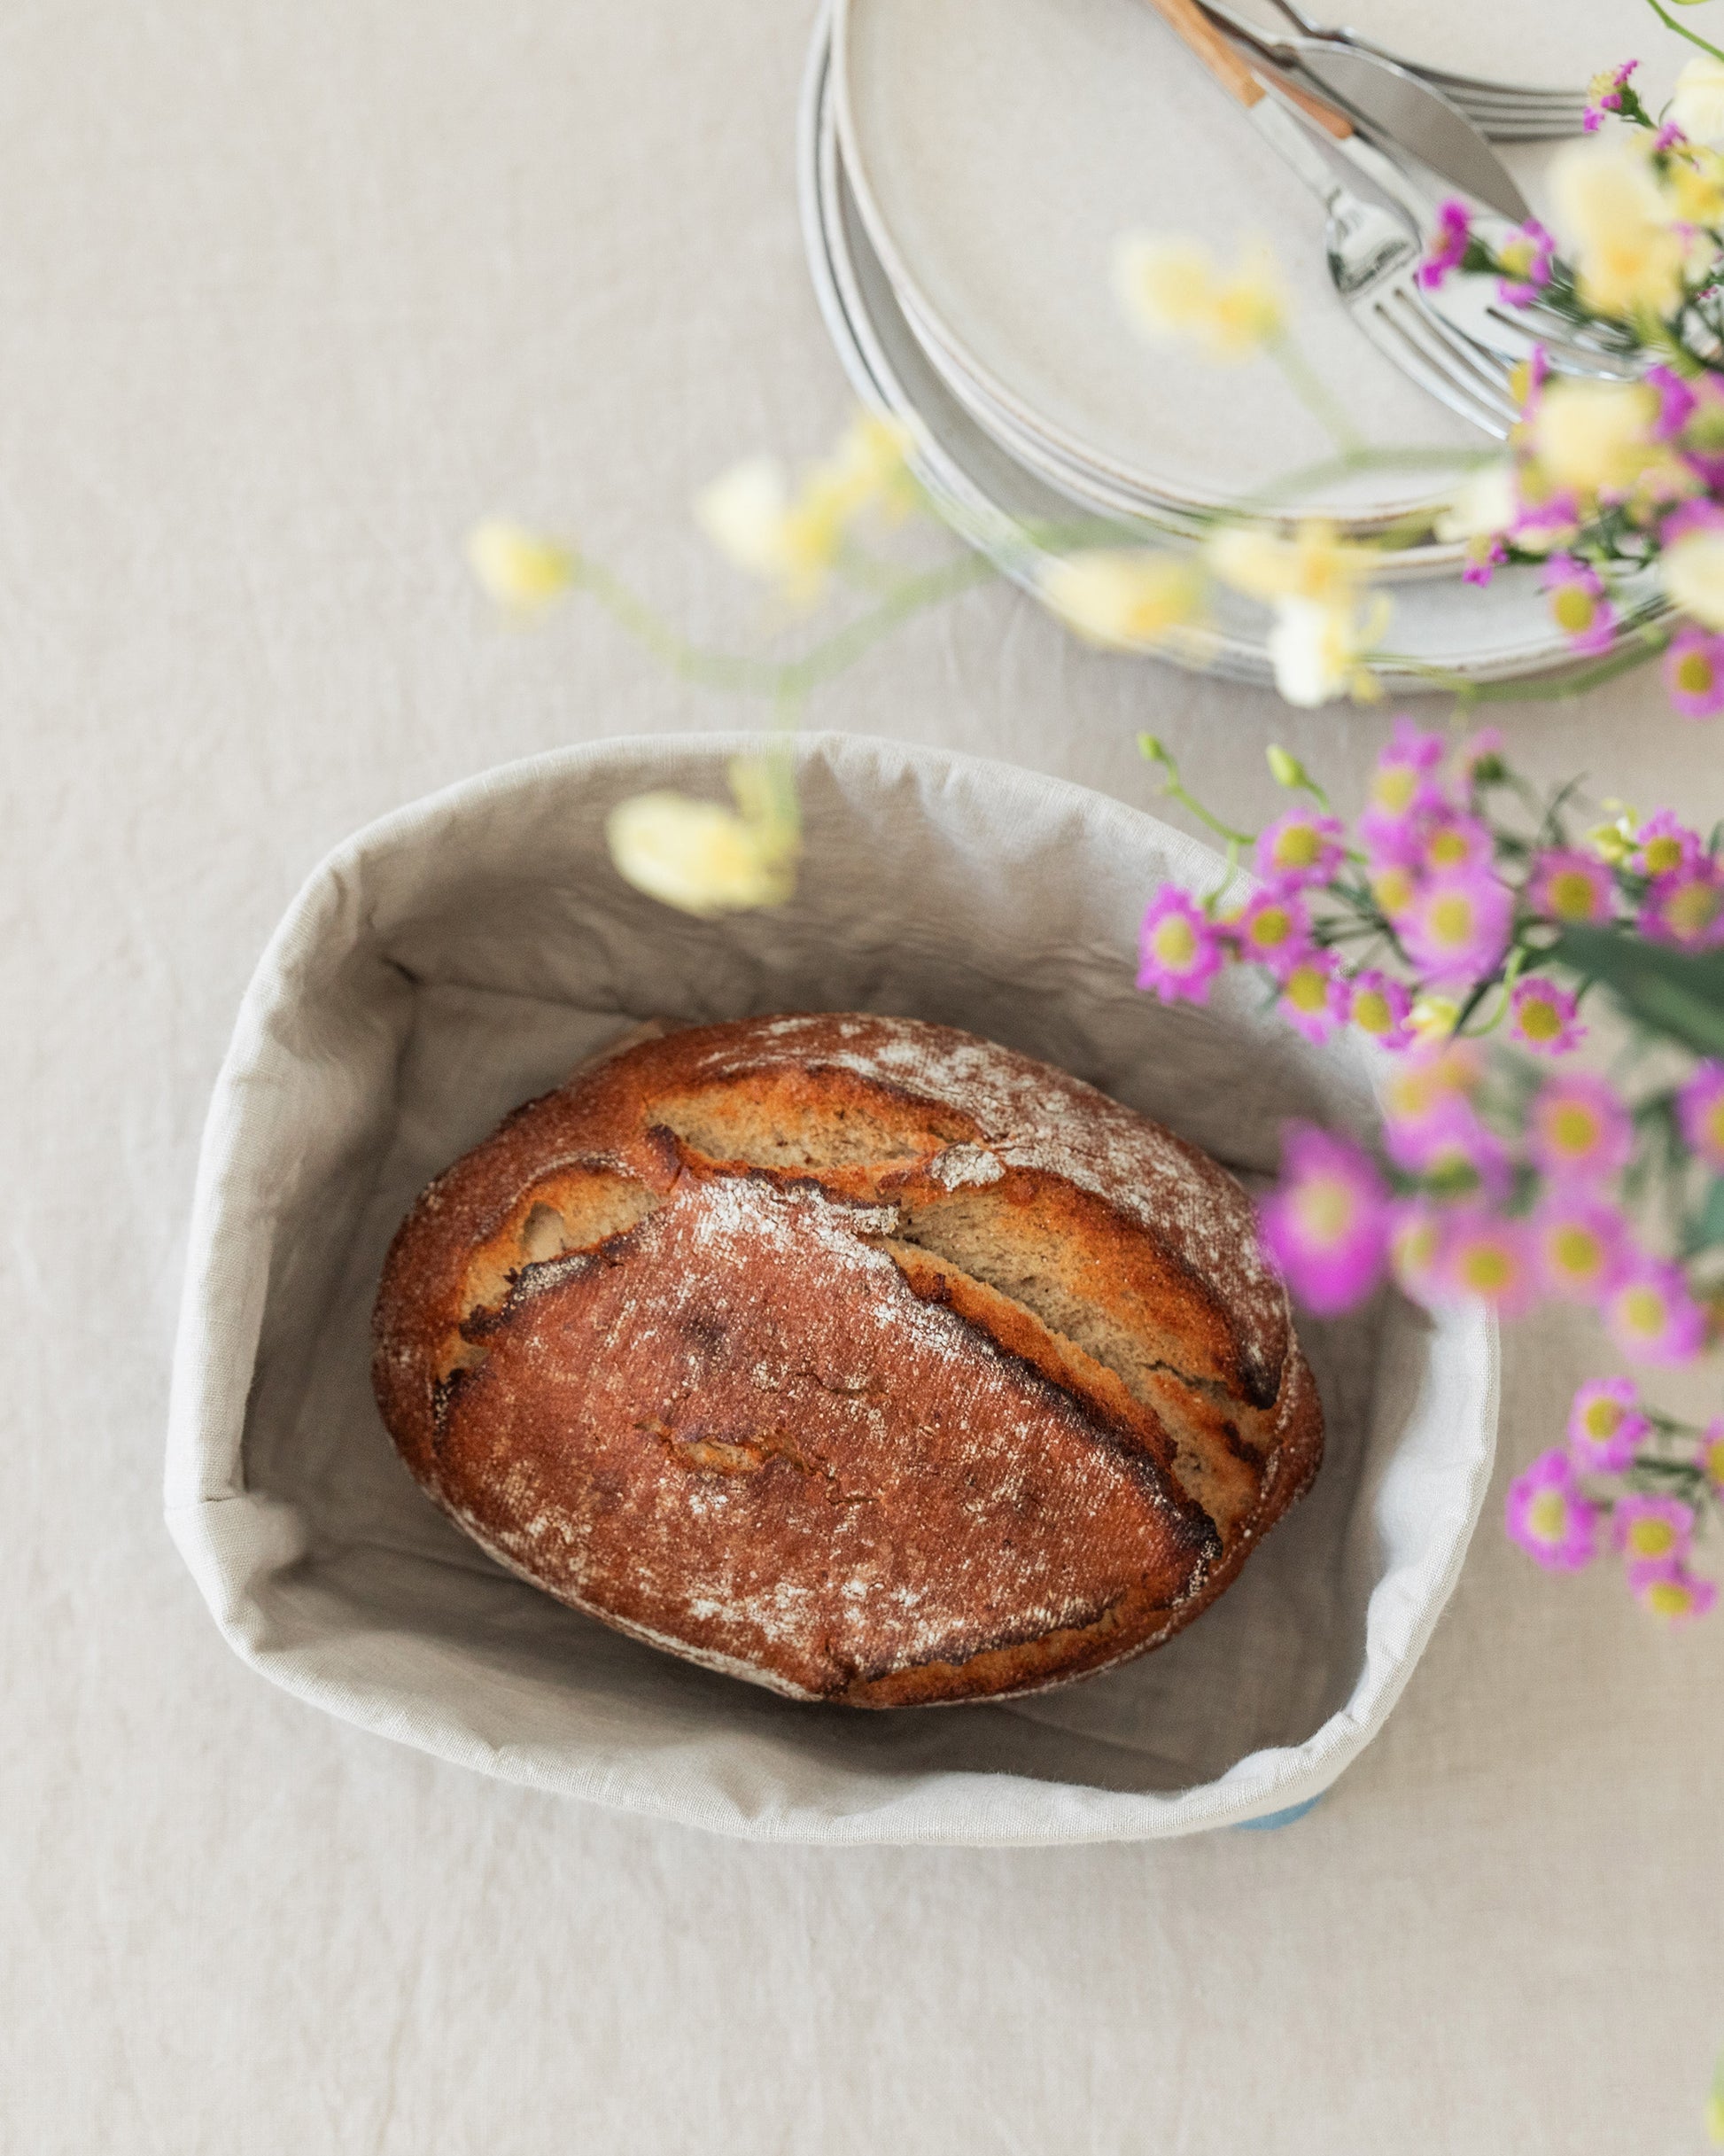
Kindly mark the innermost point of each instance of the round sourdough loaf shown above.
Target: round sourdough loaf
(853, 1356)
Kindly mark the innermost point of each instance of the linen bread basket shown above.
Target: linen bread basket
(462, 954)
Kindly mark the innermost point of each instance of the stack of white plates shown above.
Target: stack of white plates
(966, 172)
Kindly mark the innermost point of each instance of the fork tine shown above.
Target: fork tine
(1389, 329)
(1486, 373)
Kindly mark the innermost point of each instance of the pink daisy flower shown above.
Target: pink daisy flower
(1525, 256)
(1675, 402)
(1180, 952)
(1448, 247)
(1694, 675)
(1604, 95)
(1675, 1594)
(1326, 1223)
(1301, 847)
(1580, 606)
(1545, 1018)
(1452, 1149)
(1605, 1426)
(1711, 1452)
(1403, 783)
(1566, 885)
(1656, 1531)
(1700, 1113)
(1449, 844)
(1313, 996)
(1550, 1516)
(1378, 1004)
(1578, 1129)
(1582, 1245)
(1457, 927)
(1687, 909)
(1272, 929)
(1485, 1256)
(1651, 1315)
(1663, 845)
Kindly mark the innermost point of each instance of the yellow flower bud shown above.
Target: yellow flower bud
(1128, 601)
(517, 568)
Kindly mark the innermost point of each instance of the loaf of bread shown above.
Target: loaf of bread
(853, 1356)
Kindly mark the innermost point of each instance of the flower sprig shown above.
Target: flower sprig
(1457, 908)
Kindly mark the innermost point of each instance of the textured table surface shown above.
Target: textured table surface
(293, 295)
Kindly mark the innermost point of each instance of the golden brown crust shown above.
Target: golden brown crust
(851, 1355)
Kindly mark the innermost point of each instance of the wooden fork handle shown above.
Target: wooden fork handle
(1235, 73)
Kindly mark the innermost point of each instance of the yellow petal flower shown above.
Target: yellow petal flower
(1173, 288)
(1696, 104)
(1628, 257)
(1595, 436)
(1128, 601)
(1483, 504)
(1314, 564)
(517, 568)
(1693, 572)
(706, 859)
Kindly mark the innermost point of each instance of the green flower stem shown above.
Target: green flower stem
(1313, 393)
(1682, 30)
(784, 681)
(1469, 693)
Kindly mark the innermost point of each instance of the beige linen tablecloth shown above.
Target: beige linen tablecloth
(292, 295)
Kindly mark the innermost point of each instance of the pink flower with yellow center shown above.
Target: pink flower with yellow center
(1180, 952)
(1545, 1018)
(1674, 1594)
(1378, 1005)
(1686, 910)
(1578, 1129)
(1447, 843)
(1700, 1113)
(1605, 1426)
(1393, 885)
(1450, 1147)
(1273, 929)
(1694, 673)
(1663, 845)
(1711, 1452)
(1487, 1257)
(1456, 927)
(1416, 1247)
(1568, 886)
(1582, 1245)
(1550, 1516)
(1651, 1315)
(1604, 95)
(1419, 1084)
(1313, 996)
(1449, 244)
(1656, 1531)
(1525, 256)
(1403, 782)
(1580, 606)
(1301, 847)
(1326, 1223)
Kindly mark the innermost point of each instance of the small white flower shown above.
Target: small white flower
(1697, 103)
(1693, 572)
(746, 513)
(1483, 504)
(1629, 255)
(1172, 288)
(1319, 651)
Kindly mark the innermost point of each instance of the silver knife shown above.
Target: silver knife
(1395, 103)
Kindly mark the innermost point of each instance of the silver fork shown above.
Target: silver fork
(1500, 109)
(1374, 251)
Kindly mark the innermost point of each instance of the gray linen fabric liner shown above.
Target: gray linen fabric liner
(458, 957)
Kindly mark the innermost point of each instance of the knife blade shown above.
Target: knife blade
(1397, 105)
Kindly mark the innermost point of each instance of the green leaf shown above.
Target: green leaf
(1709, 1228)
(1676, 994)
